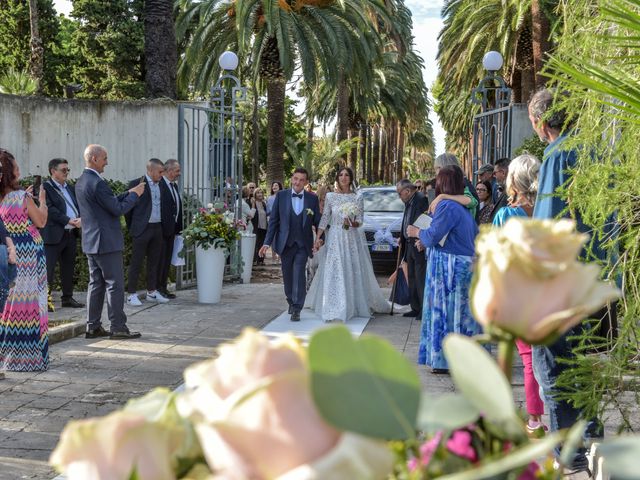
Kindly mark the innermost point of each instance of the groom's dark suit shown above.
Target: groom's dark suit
(290, 234)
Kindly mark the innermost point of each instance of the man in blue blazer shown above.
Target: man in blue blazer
(61, 232)
(102, 242)
(290, 233)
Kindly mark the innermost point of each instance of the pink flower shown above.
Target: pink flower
(460, 444)
(427, 449)
(412, 464)
(202, 210)
(530, 472)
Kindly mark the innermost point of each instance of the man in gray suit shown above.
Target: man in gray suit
(102, 242)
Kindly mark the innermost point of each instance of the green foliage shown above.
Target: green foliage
(15, 34)
(596, 64)
(532, 145)
(622, 457)
(108, 46)
(211, 228)
(17, 82)
(383, 387)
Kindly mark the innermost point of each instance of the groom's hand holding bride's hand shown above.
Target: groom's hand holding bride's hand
(317, 245)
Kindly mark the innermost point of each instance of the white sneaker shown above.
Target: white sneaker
(156, 297)
(133, 300)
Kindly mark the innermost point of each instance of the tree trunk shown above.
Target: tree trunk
(160, 49)
(362, 166)
(353, 154)
(275, 125)
(36, 62)
(516, 86)
(255, 138)
(400, 166)
(391, 153)
(541, 33)
(528, 83)
(375, 153)
(342, 108)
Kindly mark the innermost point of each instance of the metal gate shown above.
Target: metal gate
(211, 158)
(491, 136)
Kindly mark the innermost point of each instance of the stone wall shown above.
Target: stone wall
(37, 129)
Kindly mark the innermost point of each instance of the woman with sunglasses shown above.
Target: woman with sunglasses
(483, 189)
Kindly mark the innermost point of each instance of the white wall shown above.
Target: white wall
(38, 129)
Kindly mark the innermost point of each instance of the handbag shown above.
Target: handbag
(400, 294)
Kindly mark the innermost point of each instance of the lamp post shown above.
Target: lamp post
(226, 150)
(492, 92)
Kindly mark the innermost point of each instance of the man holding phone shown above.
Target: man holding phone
(103, 243)
(62, 229)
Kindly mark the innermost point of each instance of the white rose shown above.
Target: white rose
(529, 282)
(254, 415)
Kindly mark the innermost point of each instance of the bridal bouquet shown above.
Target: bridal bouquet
(349, 212)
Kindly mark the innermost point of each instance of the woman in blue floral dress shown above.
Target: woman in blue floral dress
(450, 246)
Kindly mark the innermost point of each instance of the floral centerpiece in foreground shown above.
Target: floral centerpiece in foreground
(345, 408)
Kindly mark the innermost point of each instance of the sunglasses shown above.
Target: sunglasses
(64, 170)
(481, 190)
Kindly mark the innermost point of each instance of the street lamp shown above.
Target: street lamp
(492, 92)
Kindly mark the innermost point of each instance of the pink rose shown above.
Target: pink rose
(529, 282)
(530, 473)
(460, 444)
(112, 447)
(255, 418)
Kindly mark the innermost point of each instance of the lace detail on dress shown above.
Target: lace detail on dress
(344, 285)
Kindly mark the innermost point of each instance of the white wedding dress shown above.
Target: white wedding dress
(344, 285)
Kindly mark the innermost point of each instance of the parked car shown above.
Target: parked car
(383, 211)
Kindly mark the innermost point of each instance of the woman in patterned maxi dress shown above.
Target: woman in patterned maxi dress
(24, 343)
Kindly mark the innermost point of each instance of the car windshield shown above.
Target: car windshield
(382, 201)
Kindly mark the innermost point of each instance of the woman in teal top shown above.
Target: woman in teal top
(522, 188)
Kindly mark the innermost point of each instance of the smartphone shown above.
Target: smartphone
(143, 179)
(37, 182)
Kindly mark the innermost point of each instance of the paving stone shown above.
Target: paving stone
(48, 402)
(38, 386)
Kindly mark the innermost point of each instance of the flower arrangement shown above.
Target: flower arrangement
(212, 227)
(343, 408)
(349, 211)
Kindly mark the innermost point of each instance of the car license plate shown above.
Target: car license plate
(385, 247)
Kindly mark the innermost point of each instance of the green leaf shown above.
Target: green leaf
(516, 459)
(364, 386)
(476, 374)
(622, 457)
(446, 412)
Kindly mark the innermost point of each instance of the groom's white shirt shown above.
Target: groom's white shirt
(297, 203)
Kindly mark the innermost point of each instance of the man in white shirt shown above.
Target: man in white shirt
(173, 204)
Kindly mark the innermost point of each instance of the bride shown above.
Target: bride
(344, 285)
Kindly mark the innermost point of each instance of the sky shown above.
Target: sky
(426, 26)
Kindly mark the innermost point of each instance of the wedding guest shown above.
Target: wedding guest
(24, 341)
(450, 249)
(483, 189)
(275, 188)
(259, 221)
(522, 188)
(468, 198)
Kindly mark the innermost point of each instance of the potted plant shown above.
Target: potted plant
(213, 232)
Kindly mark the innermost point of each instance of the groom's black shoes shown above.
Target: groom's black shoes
(412, 313)
(295, 315)
(290, 311)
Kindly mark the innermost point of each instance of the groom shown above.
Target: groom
(293, 215)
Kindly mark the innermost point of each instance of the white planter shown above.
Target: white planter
(209, 272)
(247, 249)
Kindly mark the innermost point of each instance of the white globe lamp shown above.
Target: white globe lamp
(492, 61)
(228, 61)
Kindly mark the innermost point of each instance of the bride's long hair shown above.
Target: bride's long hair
(352, 182)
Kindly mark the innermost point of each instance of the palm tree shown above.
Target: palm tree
(321, 36)
(160, 49)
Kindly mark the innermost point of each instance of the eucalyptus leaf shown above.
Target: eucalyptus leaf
(518, 458)
(446, 412)
(572, 442)
(476, 374)
(621, 457)
(364, 386)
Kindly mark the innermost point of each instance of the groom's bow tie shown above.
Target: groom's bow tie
(297, 195)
